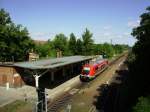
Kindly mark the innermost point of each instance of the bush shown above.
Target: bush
(143, 105)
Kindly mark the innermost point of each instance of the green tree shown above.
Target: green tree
(87, 42)
(118, 48)
(72, 44)
(141, 52)
(45, 49)
(4, 18)
(143, 105)
(79, 47)
(60, 42)
(98, 49)
(107, 50)
(138, 60)
(15, 42)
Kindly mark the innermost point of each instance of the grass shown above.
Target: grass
(17, 106)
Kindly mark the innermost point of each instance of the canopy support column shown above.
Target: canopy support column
(41, 105)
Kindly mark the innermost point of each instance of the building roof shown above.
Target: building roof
(52, 63)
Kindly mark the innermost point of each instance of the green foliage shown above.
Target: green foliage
(79, 47)
(142, 34)
(138, 64)
(43, 50)
(4, 17)
(72, 44)
(141, 52)
(143, 105)
(97, 49)
(108, 50)
(118, 48)
(131, 58)
(87, 42)
(14, 40)
(60, 42)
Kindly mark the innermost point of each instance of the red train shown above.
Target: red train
(91, 70)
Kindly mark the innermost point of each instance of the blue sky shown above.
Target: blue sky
(106, 19)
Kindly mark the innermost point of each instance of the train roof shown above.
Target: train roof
(97, 61)
(52, 63)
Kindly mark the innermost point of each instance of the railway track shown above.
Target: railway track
(64, 99)
(55, 106)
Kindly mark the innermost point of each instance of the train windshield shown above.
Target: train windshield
(86, 70)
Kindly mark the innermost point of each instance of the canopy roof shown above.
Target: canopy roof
(52, 63)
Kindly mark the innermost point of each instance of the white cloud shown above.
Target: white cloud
(107, 34)
(41, 35)
(126, 34)
(117, 38)
(108, 27)
(133, 24)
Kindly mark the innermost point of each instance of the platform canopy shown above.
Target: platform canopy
(52, 63)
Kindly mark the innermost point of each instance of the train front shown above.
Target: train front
(86, 73)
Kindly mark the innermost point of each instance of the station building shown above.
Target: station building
(54, 71)
(9, 76)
